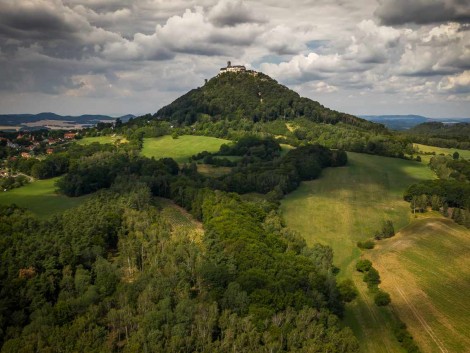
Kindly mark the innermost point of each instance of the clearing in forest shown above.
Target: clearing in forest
(346, 205)
(181, 148)
(40, 197)
(182, 222)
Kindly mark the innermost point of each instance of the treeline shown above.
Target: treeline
(450, 197)
(113, 275)
(442, 135)
(455, 193)
(251, 148)
(279, 175)
(283, 175)
(99, 171)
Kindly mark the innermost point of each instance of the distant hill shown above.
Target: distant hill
(53, 121)
(442, 130)
(251, 95)
(405, 122)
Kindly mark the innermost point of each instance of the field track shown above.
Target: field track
(426, 269)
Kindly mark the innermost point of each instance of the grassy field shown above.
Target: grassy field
(182, 148)
(101, 139)
(426, 269)
(40, 197)
(347, 205)
(438, 150)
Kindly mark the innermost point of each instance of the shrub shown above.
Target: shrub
(372, 278)
(363, 265)
(382, 298)
(368, 244)
(347, 290)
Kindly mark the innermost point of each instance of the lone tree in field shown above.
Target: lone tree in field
(387, 230)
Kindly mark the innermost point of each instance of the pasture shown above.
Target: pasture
(102, 139)
(182, 148)
(426, 270)
(346, 205)
(439, 150)
(40, 198)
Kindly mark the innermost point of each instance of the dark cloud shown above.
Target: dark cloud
(399, 12)
(136, 55)
(34, 22)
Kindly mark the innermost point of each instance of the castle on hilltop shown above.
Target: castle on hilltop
(230, 68)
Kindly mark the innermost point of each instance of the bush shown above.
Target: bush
(387, 230)
(363, 265)
(403, 336)
(368, 244)
(372, 278)
(347, 290)
(382, 298)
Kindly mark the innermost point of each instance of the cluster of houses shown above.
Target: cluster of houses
(35, 142)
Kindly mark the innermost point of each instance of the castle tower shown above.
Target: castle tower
(229, 64)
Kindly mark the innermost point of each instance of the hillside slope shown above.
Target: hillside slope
(255, 96)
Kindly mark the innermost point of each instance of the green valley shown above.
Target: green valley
(347, 205)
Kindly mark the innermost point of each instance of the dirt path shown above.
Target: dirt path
(422, 321)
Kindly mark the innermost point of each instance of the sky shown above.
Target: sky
(121, 57)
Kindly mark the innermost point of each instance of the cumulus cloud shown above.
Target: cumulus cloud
(441, 50)
(456, 84)
(232, 13)
(372, 44)
(399, 12)
(111, 50)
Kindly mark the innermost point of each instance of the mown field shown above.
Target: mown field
(439, 150)
(101, 139)
(182, 148)
(40, 197)
(347, 205)
(426, 269)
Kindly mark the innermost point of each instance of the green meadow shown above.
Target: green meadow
(426, 270)
(346, 205)
(182, 148)
(101, 139)
(439, 150)
(40, 197)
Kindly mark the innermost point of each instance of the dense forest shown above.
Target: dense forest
(442, 135)
(113, 275)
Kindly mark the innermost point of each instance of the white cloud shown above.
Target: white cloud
(456, 84)
(159, 49)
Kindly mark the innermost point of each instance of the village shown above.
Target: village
(24, 146)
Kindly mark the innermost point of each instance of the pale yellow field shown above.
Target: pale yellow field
(426, 270)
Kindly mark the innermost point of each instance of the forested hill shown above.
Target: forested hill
(255, 96)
